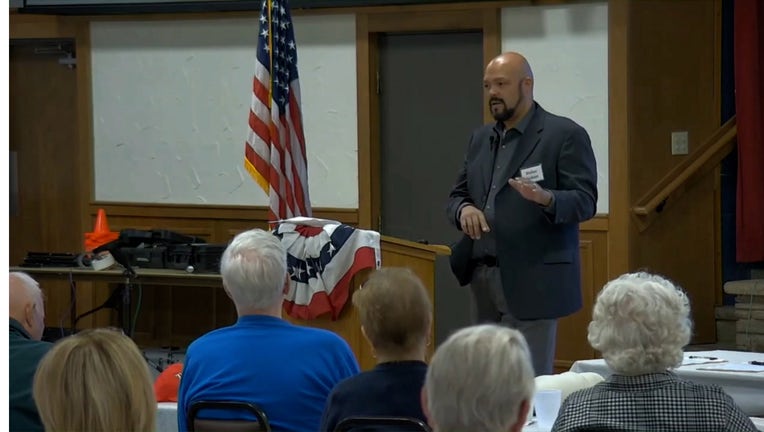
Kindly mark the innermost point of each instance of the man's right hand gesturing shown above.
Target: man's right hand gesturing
(473, 221)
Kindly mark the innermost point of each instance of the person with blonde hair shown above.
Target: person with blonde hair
(396, 319)
(480, 379)
(25, 349)
(96, 380)
(641, 324)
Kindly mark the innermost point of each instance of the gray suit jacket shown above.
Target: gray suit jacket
(537, 251)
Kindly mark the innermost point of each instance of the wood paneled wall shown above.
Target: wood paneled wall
(674, 85)
(572, 343)
(43, 135)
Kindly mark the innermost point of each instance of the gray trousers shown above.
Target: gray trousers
(490, 306)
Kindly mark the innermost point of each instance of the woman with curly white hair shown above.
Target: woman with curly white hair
(640, 324)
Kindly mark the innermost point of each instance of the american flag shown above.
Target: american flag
(322, 261)
(275, 149)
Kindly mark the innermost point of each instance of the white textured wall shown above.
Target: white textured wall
(171, 100)
(566, 46)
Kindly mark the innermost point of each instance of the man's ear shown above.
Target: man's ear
(29, 315)
(522, 416)
(286, 284)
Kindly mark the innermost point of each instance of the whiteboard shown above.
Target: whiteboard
(171, 101)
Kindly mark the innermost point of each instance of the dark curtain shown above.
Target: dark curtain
(749, 99)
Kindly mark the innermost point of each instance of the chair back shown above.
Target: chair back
(227, 425)
(403, 424)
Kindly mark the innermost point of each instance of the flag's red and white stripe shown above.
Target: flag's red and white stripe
(275, 147)
(322, 261)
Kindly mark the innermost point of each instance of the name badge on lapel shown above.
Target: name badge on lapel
(534, 173)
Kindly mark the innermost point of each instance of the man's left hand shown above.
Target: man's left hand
(531, 191)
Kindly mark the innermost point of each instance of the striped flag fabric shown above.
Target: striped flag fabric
(275, 147)
(322, 258)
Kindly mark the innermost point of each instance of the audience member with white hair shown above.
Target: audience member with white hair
(641, 324)
(286, 370)
(480, 379)
(25, 349)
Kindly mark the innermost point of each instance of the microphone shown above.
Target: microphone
(494, 140)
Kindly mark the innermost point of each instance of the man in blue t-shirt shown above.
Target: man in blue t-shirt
(286, 370)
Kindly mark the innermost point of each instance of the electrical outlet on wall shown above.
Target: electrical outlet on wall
(680, 143)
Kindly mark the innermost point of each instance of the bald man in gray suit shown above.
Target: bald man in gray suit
(527, 181)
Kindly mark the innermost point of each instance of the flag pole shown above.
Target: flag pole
(270, 50)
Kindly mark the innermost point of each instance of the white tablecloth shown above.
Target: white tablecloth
(758, 422)
(746, 388)
(167, 417)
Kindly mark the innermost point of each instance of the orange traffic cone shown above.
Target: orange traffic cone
(101, 233)
(101, 224)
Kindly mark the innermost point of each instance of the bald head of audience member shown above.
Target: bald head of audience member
(395, 313)
(641, 324)
(508, 83)
(480, 379)
(26, 303)
(96, 380)
(254, 272)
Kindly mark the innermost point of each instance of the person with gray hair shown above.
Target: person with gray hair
(480, 379)
(286, 370)
(641, 324)
(25, 349)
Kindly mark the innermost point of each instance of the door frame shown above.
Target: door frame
(32, 26)
(369, 25)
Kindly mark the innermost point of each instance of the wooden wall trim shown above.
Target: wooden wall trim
(718, 276)
(717, 101)
(179, 211)
(425, 21)
(26, 26)
(491, 48)
(393, 9)
(447, 7)
(374, 169)
(599, 222)
(84, 149)
(618, 148)
(363, 97)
